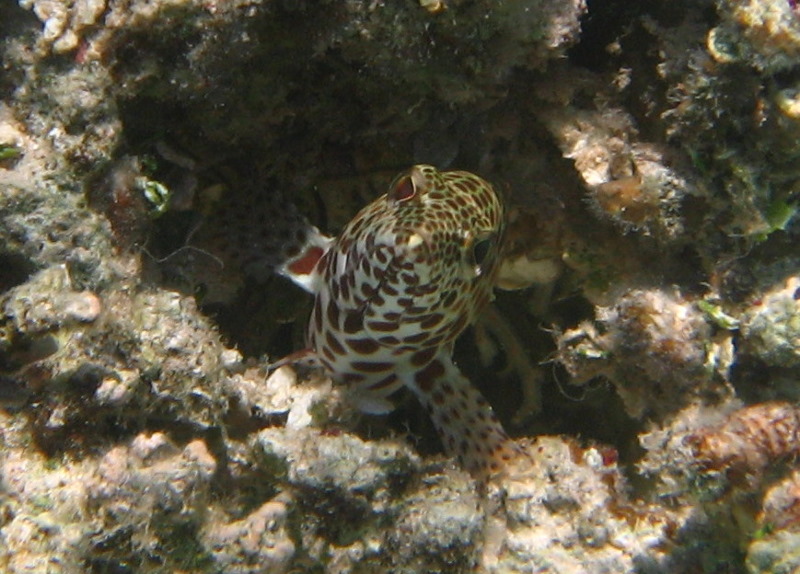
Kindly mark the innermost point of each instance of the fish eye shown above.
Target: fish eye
(479, 252)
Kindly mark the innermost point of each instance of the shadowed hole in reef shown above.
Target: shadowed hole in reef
(197, 244)
(268, 317)
(17, 350)
(590, 413)
(13, 19)
(16, 270)
(609, 21)
(264, 318)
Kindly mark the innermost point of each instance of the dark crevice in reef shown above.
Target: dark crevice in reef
(16, 269)
(610, 21)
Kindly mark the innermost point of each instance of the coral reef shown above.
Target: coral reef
(646, 356)
(257, 543)
(130, 500)
(656, 347)
(734, 464)
(631, 183)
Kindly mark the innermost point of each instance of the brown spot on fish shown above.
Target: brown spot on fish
(416, 338)
(421, 358)
(334, 343)
(382, 326)
(353, 322)
(333, 314)
(426, 377)
(352, 378)
(431, 321)
(368, 367)
(363, 346)
(328, 354)
(409, 278)
(383, 383)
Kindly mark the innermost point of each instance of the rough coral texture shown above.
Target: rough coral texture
(656, 347)
(649, 154)
(737, 464)
(137, 493)
(771, 326)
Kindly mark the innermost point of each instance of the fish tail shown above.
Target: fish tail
(259, 234)
(465, 421)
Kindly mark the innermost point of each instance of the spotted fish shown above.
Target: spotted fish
(393, 292)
